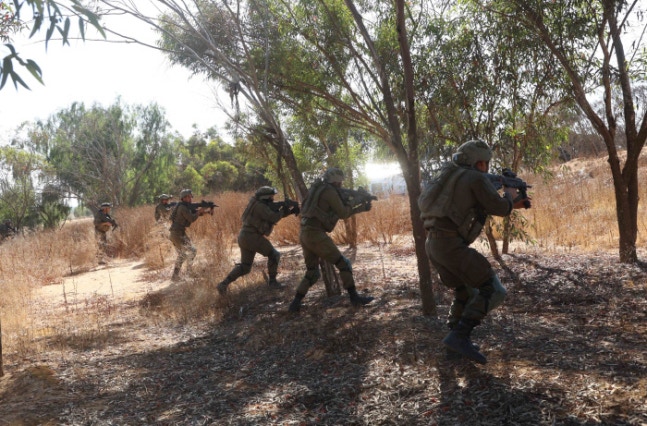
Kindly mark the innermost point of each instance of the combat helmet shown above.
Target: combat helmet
(471, 152)
(265, 193)
(106, 205)
(185, 192)
(334, 175)
(165, 197)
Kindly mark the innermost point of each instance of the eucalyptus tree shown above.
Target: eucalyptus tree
(483, 77)
(54, 17)
(117, 153)
(229, 41)
(355, 60)
(598, 44)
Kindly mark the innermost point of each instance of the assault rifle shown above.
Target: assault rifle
(210, 205)
(357, 198)
(194, 206)
(509, 179)
(287, 205)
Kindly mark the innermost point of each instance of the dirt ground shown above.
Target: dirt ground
(568, 347)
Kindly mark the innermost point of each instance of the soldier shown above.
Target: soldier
(6, 229)
(258, 221)
(103, 222)
(454, 207)
(163, 209)
(181, 218)
(321, 210)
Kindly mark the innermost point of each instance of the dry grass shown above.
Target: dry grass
(567, 348)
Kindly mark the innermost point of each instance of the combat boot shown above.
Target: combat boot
(459, 341)
(274, 284)
(356, 299)
(295, 306)
(222, 287)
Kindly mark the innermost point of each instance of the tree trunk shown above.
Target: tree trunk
(419, 236)
(331, 278)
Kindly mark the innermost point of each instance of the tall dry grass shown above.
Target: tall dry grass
(574, 211)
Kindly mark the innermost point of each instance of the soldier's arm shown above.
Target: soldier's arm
(493, 203)
(266, 214)
(336, 204)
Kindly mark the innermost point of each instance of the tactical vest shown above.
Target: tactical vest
(251, 220)
(311, 209)
(436, 201)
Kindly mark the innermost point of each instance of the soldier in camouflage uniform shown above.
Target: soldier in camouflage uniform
(320, 212)
(103, 223)
(258, 221)
(181, 218)
(163, 209)
(454, 207)
(6, 229)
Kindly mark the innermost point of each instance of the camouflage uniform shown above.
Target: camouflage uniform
(454, 208)
(182, 217)
(103, 222)
(6, 230)
(320, 212)
(258, 221)
(163, 210)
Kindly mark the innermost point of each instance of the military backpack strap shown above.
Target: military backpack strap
(311, 201)
(248, 210)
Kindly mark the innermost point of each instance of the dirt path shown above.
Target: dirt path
(122, 280)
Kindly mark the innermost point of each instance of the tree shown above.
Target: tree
(598, 44)
(56, 17)
(17, 189)
(118, 154)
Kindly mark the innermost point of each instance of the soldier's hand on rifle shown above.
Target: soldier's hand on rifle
(513, 193)
(295, 210)
(522, 203)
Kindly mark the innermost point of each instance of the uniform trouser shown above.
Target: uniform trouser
(317, 244)
(184, 247)
(476, 287)
(102, 239)
(251, 243)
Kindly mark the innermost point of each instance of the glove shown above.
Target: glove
(295, 210)
(285, 212)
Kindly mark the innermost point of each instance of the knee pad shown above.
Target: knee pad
(343, 264)
(498, 294)
(463, 294)
(312, 275)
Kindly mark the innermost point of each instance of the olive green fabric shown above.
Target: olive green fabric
(182, 218)
(459, 265)
(473, 198)
(163, 212)
(324, 208)
(258, 217)
(472, 152)
(102, 221)
(258, 221)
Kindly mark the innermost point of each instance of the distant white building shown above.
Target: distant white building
(385, 179)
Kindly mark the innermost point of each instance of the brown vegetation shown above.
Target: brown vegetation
(567, 348)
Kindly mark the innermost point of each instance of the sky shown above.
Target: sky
(101, 72)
